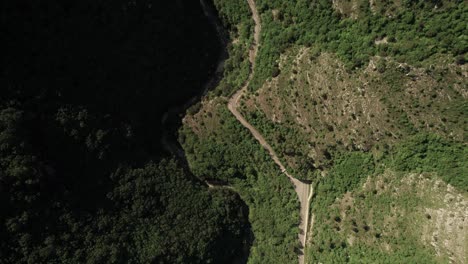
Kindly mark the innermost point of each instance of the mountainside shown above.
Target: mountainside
(332, 132)
(314, 106)
(365, 100)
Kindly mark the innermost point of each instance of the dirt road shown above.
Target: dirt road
(302, 189)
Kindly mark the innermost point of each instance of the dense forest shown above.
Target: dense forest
(83, 177)
(369, 106)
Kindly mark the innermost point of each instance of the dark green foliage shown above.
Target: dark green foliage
(153, 214)
(286, 143)
(82, 179)
(421, 153)
(232, 155)
(233, 12)
(347, 173)
(125, 61)
(431, 153)
(237, 18)
(194, 225)
(414, 34)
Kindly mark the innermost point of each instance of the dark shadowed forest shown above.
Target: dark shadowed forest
(363, 99)
(82, 175)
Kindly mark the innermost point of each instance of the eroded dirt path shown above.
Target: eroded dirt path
(303, 190)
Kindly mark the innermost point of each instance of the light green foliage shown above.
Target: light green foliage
(415, 32)
(346, 174)
(193, 223)
(349, 172)
(370, 225)
(376, 223)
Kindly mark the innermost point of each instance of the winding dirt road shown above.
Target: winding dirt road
(303, 190)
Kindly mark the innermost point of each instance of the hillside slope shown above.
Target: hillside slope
(349, 94)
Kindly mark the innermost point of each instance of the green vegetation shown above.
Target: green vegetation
(290, 143)
(376, 223)
(347, 173)
(371, 225)
(431, 153)
(364, 98)
(155, 213)
(414, 32)
(364, 92)
(83, 178)
(236, 17)
(219, 148)
(232, 155)
(315, 107)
